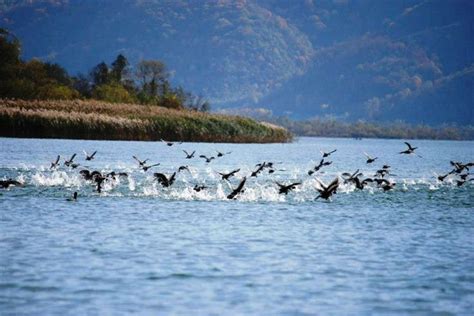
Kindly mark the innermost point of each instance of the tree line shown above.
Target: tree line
(146, 83)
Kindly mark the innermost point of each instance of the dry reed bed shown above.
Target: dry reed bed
(98, 120)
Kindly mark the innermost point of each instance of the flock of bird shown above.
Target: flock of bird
(459, 169)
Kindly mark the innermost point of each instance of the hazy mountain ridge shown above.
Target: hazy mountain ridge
(347, 59)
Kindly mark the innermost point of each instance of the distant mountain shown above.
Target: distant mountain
(374, 60)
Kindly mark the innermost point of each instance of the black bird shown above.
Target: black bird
(145, 168)
(410, 150)
(208, 159)
(226, 176)
(163, 180)
(90, 157)
(354, 178)
(327, 163)
(361, 184)
(55, 164)
(238, 190)
(464, 176)
(385, 184)
(189, 155)
(328, 153)
(182, 168)
(87, 175)
(442, 177)
(99, 179)
(112, 174)
(370, 159)
(321, 164)
(284, 189)
(385, 167)
(350, 177)
(167, 143)
(4, 184)
(259, 169)
(461, 182)
(459, 166)
(199, 188)
(219, 154)
(70, 161)
(381, 173)
(73, 198)
(140, 162)
(326, 192)
(74, 165)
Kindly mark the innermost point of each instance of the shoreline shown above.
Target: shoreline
(94, 120)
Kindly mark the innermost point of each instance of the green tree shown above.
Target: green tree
(58, 73)
(100, 74)
(152, 75)
(82, 84)
(119, 68)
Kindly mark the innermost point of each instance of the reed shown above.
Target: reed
(78, 119)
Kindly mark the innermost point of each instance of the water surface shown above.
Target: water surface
(141, 248)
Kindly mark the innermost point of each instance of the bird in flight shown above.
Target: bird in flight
(327, 154)
(285, 189)
(410, 150)
(326, 191)
(189, 155)
(208, 159)
(163, 180)
(226, 176)
(55, 164)
(145, 168)
(370, 159)
(140, 162)
(90, 157)
(238, 190)
(70, 161)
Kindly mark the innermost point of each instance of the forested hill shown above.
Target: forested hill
(374, 60)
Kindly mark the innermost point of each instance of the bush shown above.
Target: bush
(114, 93)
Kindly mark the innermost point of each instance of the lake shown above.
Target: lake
(138, 247)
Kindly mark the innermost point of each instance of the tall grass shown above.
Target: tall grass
(99, 120)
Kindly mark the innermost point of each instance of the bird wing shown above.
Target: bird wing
(93, 154)
(134, 157)
(321, 184)
(235, 171)
(408, 144)
(172, 178)
(160, 177)
(57, 159)
(355, 173)
(333, 185)
(72, 157)
(241, 184)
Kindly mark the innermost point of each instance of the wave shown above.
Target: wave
(42, 180)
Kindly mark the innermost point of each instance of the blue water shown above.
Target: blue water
(140, 248)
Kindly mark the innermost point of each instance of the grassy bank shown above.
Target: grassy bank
(99, 120)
